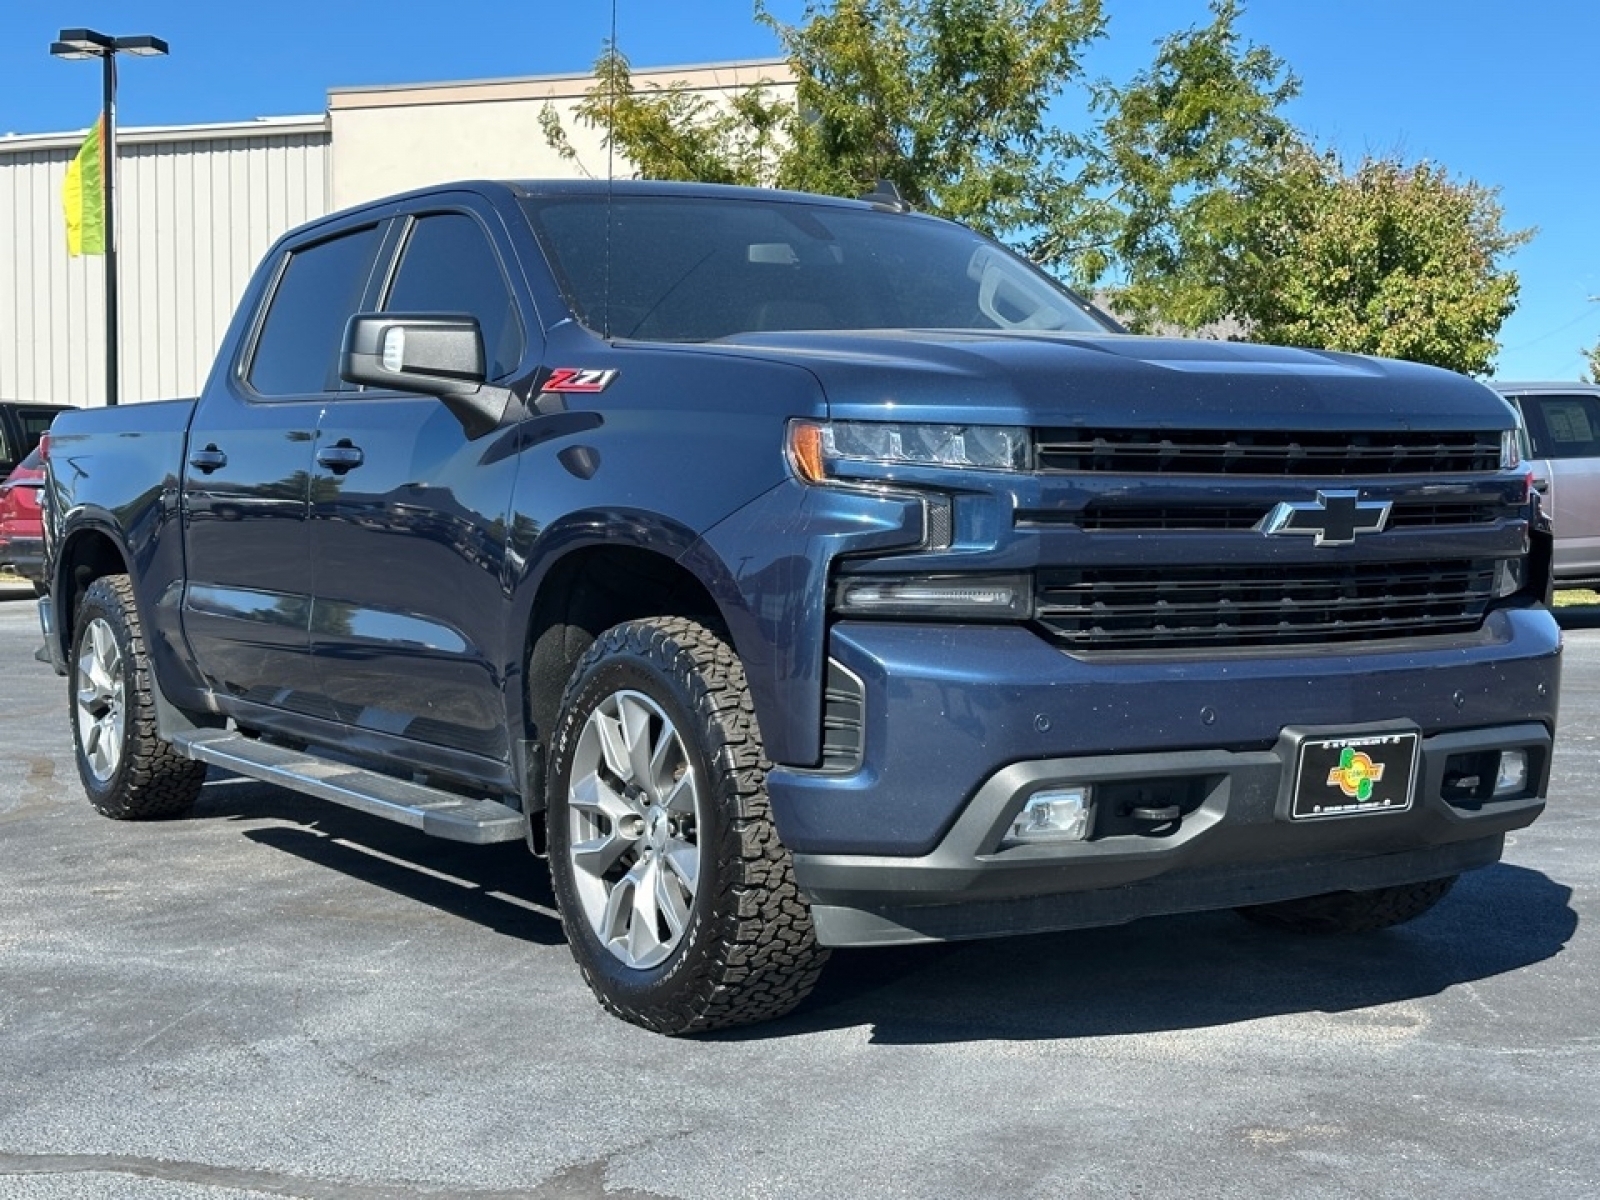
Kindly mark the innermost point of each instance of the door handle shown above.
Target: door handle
(208, 460)
(341, 456)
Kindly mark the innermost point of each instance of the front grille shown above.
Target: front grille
(1111, 516)
(1093, 609)
(1199, 452)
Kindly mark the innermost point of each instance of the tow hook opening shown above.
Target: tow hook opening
(1149, 808)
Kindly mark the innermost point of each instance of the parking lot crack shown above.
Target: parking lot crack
(584, 1181)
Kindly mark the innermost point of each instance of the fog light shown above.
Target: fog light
(1054, 816)
(1513, 774)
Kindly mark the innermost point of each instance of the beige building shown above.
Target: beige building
(198, 205)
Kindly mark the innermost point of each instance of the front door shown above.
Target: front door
(408, 523)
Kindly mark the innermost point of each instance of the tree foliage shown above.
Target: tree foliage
(1183, 154)
(1188, 197)
(1391, 259)
(946, 99)
(674, 133)
(1593, 355)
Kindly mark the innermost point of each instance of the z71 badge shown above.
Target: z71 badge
(578, 379)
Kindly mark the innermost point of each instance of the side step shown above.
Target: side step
(435, 812)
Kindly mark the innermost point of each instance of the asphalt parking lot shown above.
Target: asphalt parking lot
(276, 998)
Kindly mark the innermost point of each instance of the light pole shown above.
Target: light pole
(88, 43)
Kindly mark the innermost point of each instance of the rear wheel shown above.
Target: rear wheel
(1352, 912)
(128, 771)
(679, 901)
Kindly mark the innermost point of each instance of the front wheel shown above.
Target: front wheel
(679, 901)
(128, 771)
(1352, 912)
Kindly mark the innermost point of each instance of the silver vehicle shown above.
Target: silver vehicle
(1562, 421)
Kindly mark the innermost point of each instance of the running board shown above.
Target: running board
(435, 812)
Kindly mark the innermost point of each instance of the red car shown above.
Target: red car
(21, 532)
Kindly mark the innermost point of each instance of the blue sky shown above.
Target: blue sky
(1498, 93)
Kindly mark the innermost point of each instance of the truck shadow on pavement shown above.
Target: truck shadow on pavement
(1159, 974)
(500, 887)
(1186, 972)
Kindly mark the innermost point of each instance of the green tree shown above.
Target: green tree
(1391, 258)
(944, 98)
(1593, 354)
(673, 133)
(1181, 159)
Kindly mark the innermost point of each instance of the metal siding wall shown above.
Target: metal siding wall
(196, 213)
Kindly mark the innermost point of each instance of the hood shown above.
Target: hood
(1119, 380)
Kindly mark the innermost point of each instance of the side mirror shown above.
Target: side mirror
(435, 354)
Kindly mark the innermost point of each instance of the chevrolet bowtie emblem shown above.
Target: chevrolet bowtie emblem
(1333, 518)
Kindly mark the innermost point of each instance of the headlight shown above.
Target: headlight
(1510, 450)
(816, 448)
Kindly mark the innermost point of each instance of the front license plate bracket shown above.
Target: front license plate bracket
(1353, 774)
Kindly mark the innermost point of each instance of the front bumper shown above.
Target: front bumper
(960, 726)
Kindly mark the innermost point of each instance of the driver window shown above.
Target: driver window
(448, 266)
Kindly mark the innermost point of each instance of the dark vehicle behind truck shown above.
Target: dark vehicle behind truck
(22, 424)
(803, 572)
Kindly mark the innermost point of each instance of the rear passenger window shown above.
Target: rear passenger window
(35, 423)
(448, 266)
(1564, 426)
(320, 289)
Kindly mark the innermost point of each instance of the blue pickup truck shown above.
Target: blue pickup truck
(800, 572)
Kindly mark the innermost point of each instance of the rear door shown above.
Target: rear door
(248, 479)
(409, 517)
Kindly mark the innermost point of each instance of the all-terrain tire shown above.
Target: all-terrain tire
(1352, 912)
(128, 771)
(678, 899)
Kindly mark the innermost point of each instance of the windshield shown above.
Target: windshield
(689, 268)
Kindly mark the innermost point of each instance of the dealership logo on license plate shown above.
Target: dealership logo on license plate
(1345, 776)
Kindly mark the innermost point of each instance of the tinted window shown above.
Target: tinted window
(694, 268)
(448, 266)
(35, 422)
(1563, 426)
(321, 288)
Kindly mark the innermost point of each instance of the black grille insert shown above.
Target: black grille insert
(1135, 608)
(843, 720)
(1113, 516)
(1270, 452)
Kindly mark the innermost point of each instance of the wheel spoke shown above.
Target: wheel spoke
(636, 725)
(682, 795)
(683, 860)
(614, 920)
(664, 756)
(599, 854)
(593, 797)
(613, 744)
(671, 901)
(93, 732)
(644, 942)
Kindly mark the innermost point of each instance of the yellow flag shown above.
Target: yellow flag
(83, 195)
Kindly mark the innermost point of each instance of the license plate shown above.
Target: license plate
(1348, 776)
